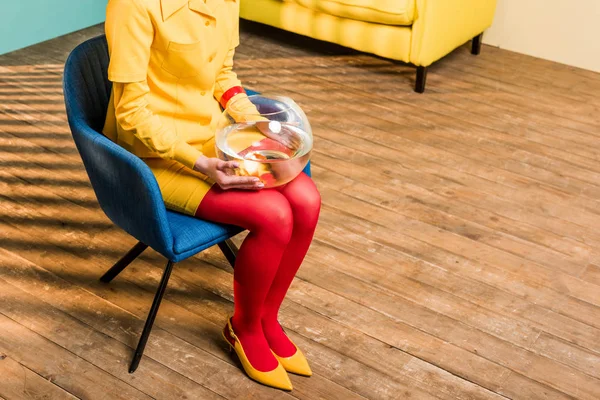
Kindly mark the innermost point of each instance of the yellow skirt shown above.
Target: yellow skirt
(182, 188)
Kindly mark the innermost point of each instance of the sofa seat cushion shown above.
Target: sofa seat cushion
(389, 12)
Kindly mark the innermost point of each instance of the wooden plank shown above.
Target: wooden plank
(519, 91)
(456, 261)
(66, 370)
(110, 355)
(511, 250)
(591, 274)
(525, 73)
(568, 354)
(19, 382)
(379, 355)
(519, 387)
(541, 369)
(428, 284)
(556, 257)
(518, 121)
(552, 76)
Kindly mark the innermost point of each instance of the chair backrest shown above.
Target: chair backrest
(124, 185)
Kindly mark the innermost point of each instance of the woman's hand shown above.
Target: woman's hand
(222, 173)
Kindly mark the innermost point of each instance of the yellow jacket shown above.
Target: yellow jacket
(170, 62)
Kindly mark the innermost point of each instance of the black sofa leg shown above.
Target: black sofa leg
(124, 262)
(139, 351)
(230, 251)
(476, 44)
(421, 79)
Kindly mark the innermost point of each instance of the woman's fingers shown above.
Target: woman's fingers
(253, 187)
(233, 180)
(239, 182)
(223, 166)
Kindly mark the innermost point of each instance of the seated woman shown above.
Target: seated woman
(171, 68)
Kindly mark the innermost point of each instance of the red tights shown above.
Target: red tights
(281, 222)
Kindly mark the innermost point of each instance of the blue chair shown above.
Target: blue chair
(125, 186)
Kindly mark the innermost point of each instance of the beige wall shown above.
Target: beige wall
(566, 31)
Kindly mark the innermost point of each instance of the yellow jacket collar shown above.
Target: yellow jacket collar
(170, 7)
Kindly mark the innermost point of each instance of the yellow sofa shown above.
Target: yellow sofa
(418, 32)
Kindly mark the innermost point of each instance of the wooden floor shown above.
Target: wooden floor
(457, 256)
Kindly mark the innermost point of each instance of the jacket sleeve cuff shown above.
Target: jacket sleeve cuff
(186, 154)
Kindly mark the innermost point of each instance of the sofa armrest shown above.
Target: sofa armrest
(441, 26)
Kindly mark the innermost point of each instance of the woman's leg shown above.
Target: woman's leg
(305, 201)
(268, 217)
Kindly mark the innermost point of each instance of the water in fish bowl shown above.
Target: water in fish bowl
(274, 151)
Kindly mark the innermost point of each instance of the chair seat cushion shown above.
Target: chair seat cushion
(388, 12)
(191, 235)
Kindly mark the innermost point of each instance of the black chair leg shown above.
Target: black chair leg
(476, 44)
(230, 251)
(124, 262)
(139, 351)
(421, 79)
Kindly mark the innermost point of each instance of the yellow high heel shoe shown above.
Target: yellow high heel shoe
(276, 378)
(296, 363)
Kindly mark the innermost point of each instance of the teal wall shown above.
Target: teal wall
(26, 22)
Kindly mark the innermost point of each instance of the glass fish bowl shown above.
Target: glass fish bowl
(269, 136)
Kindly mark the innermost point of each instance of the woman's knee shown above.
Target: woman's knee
(312, 200)
(274, 217)
(305, 201)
